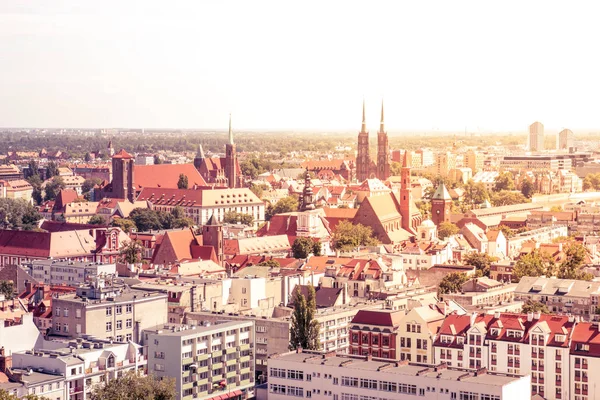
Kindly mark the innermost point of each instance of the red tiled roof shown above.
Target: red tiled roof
(123, 154)
(64, 197)
(160, 196)
(380, 318)
(353, 269)
(586, 333)
(166, 175)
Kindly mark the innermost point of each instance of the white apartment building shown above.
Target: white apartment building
(540, 235)
(72, 273)
(520, 344)
(81, 364)
(206, 361)
(321, 376)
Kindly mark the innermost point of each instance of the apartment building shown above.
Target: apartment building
(521, 344)
(584, 361)
(536, 162)
(315, 375)
(560, 295)
(396, 335)
(272, 331)
(208, 361)
(78, 366)
(482, 292)
(72, 273)
(108, 311)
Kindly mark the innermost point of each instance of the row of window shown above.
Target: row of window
(119, 325)
(118, 310)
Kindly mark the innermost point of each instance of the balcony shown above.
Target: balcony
(76, 389)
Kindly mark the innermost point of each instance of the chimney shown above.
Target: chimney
(473, 318)
(299, 349)
(369, 357)
(529, 316)
(5, 361)
(537, 315)
(497, 314)
(28, 286)
(571, 318)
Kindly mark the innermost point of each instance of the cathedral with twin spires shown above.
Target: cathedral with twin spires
(366, 167)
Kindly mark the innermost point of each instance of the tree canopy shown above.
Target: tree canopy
(452, 283)
(475, 193)
(305, 246)
(146, 219)
(285, 205)
(348, 236)
(18, 214)
(134, 387)
(304, 328)
(131, 252)
(125, 224)
(233, 217)
(533, 264)
(97, 220)
(481, 261)
(7, 288)
(53, 187)
(504, 181)
(447, 229)
(527, 188)
(572, 266)
(531, 306)
(507, 198)
(182, 183)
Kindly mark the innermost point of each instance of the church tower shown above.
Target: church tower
(231, 160)
(441, 205)
(383, 151)
(123, 186)
(307, 202)
(199, 159)
(363, 161)
(212, 235)
(406, 201)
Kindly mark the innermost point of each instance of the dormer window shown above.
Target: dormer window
(495, 332)
(560, 338)
(582, 347)
(515, 334)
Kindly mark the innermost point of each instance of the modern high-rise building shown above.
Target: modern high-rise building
(564, 140)
(536, 136)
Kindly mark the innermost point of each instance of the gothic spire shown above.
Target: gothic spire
(230, 131)
(381, 124)
(200, 152)
(364, 119)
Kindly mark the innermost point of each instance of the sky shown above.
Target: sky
(300, 65)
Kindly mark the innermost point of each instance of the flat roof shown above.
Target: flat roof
(126, 295)
(393, 367)
(194, 330)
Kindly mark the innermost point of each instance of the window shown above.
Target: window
(368, 383)
(295, 391)
(294, 374)
(277, 373)
(66, 312)
(118, 310)
(128, 337)
(159, 367)
(128, 323)
(119, 324)
(128, 308)
(108, 326)
(349, 381)
(388, 386)
(277, 389)
(57, 311)
(108, 311)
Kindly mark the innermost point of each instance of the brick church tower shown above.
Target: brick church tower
(231, 160)
(383, 151)
(123, 176)
(441, 203)
(363, 161)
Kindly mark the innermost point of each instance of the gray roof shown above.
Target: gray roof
(441, 193)
(556, 287)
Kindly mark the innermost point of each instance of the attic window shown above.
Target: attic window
(495, 332)
(582, 347)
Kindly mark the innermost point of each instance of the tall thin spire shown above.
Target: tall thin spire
(230, 131)
(364, 119)
(200, 153)
(382, 123)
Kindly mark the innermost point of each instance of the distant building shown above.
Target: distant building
(565, 140)
(206, 361)
(536, 137)
(72, 273)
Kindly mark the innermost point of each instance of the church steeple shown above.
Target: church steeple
(382, 123)
(363, 161)
(230, 131)
(308, 199)
(383, 150)
(199, 159)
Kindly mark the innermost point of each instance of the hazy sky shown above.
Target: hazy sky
(299, 64)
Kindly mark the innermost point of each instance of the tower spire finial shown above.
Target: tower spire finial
(382, 123)
(364, 119)
(230, 131)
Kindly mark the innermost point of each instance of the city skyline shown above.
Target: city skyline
(446, 67)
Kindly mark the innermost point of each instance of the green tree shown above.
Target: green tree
(258, 189)
(556, 209)
(97, 220)
(131, 252)
(145, 219)
(504, 181)
(447, 229)
(285, 205)
(475, 193)
(304, 329)
(89, 184)
(303, 247)
(348, 236)
(317, 248)
(424, 207)
(572, 266)
(33, 169)
(233, 217)
(532, 264)
(269, 263)
(87, 157)
(527, 188)
(54, 187)
(36, 182)
(481, 261)
(4, 395)
(125, 224)
(7, 288)
(157, 159)
(182, 183)
(395, 168)
(18, 214)
(507, 198)
(452, 283)
(532, 306)
(136, 387)
(52, 169)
